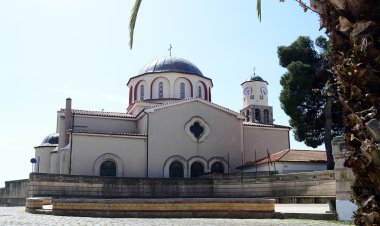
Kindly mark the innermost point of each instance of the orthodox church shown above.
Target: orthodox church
(170, 129)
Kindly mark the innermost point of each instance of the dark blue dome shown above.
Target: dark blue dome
(170, 64)
(257, 78)
(51, 139)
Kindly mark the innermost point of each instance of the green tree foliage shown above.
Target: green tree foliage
(306, 89)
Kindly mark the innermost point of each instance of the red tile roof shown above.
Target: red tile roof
(291, 155)
(100, 113)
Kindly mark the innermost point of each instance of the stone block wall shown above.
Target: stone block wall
(58, 185)
(308, 184)
(311, 184)
(14, 192)
(344, 179)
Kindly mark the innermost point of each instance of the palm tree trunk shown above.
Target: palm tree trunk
(353, 27)
(328, 136)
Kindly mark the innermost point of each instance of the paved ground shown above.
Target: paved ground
(302, 208)
(17, 216)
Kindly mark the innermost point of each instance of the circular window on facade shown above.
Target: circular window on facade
(197, 129)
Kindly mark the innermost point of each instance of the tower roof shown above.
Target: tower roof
(170, 64)
(257, 78)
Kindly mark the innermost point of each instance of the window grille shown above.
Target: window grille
(197, 169)
(176, 170)
(160, 90)
(108, 169)
(182, 90)
(142, 92)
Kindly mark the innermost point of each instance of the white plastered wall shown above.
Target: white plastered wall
(224, 138)
(92, 123)
(262, 139)
(142, 124)
(88, 148)
(42, 154)
(288, 167)
(259, 96)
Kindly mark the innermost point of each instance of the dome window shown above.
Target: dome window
(182, 90)
(199, 92)
(142, 92)
(160, 90)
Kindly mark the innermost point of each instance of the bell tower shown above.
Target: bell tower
(255, 101)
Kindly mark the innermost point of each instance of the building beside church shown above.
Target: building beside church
(170, 129)
(289, 161)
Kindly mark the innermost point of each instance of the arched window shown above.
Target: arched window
(217, 167)
(142, 92)
(247, 116)
(197, 169)
(266, 116)
(199, 92)
(108, 169)
(176, 170)
(257, 115)
(182, 90)
(160, 90)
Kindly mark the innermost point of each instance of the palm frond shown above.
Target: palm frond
(132, 21)
(258, 7)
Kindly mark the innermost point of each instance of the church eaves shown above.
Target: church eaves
(99, 113)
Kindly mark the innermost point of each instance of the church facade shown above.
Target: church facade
(171, 129)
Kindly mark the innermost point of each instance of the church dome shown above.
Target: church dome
(257, 78)
(51, 139)
(170, 64)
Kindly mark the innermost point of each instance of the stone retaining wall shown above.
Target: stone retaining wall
(172, 207)
(14, 193)
(310, 184)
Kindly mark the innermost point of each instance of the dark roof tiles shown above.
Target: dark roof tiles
(170, 64)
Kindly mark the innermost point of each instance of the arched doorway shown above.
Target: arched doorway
(197, 169)
(176, 170)
(108, 169)
(217, 167)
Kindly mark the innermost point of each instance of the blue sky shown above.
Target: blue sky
(54, 49)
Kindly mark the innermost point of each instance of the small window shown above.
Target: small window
(142, 94)
(197, 130)
(217, 167)
(108, 169)
(182, 90)
(257, 115)
(160, 90)
(199, 92)
(176, 170)
(266, 116)
(197, 169)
